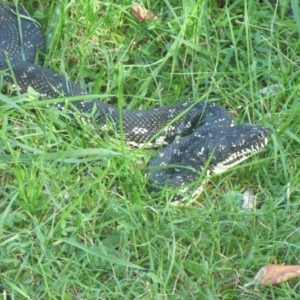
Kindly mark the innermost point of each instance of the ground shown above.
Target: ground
(76, 221)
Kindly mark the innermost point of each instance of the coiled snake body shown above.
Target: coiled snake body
(197, 135)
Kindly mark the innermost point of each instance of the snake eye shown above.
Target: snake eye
(262, 134)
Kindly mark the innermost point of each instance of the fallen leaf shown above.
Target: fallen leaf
(274, 274)
(143, 14)
(249, 199)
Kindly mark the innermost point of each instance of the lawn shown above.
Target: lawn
(76, 221)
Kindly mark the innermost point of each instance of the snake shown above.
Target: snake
(196, 139)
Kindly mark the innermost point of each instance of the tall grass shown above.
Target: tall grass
(76, 221)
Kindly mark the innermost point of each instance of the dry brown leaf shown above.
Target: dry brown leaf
(143, 14)
(274, 274)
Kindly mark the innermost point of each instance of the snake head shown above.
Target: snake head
(230, 146)
(211, 150)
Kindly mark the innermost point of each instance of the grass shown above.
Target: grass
(76, 221)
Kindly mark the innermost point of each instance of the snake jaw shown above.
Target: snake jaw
(237, 157)
(241, 142)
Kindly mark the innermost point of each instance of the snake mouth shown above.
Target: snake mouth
(237, 157)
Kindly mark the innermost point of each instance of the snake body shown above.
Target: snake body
(197, 136)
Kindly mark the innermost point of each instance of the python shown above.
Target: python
(198, 136)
